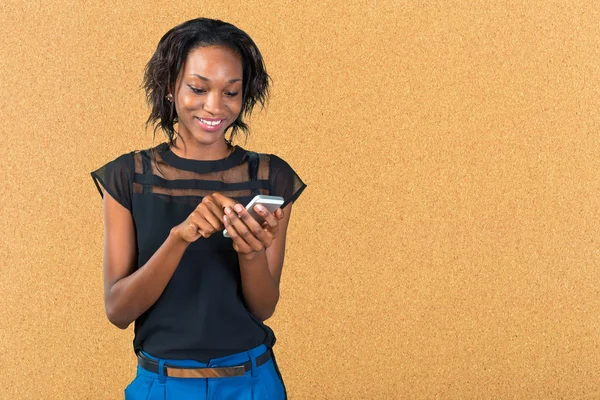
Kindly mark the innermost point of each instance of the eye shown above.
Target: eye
(196, 90)
(232, 94)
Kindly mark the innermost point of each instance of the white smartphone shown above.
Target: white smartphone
(271, 203)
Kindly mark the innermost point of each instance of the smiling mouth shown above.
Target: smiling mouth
(211, 123)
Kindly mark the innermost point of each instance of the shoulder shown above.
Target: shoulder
(278, 171)
(123, 162)
(128, 155)
(149, 151)
(269, 165)
(283, 179)
(140, 156)
(271, 159)
(119, 163)
(125, 157)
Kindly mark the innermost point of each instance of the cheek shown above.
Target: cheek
(236, 107)
(188, 101)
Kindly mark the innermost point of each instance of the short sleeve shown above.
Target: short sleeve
(284, 181)
(116, 177)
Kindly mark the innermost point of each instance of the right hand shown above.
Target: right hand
(205, 220)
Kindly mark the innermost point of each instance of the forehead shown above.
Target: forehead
(214, 63)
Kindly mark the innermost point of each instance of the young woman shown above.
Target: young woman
(198, 299)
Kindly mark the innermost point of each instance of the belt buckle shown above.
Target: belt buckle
(215, 372)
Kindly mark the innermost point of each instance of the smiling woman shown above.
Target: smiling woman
(198, 299)
(208, 96)
(201, 69)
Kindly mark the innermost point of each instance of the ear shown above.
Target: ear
(171, 90)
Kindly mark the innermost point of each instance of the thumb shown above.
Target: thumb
(279, 213)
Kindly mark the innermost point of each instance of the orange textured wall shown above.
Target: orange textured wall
(447, 245)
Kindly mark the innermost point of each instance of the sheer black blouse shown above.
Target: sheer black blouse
(201, 314)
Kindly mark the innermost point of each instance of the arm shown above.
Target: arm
(128, 292)
(261, 272)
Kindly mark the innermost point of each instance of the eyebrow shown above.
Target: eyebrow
(208, 80)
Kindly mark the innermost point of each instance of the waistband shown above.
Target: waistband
(232, 365)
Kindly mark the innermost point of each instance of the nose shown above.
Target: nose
(214, 103)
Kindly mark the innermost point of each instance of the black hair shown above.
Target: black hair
(160, 74)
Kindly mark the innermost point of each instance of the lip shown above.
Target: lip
(211, 119)
(210, 128)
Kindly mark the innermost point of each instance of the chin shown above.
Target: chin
(208, 137)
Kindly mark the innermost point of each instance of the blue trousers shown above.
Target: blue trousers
(262, 382)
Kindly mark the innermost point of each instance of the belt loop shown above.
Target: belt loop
(161, 371)
(253, 371)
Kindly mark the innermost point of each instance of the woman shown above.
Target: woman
(199, 299)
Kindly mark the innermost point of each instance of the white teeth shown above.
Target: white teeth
(213, 123)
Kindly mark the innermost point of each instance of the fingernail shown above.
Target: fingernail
(238, 207)
(228, 210)
(260, 208)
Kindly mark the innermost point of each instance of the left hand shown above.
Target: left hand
(247, 234)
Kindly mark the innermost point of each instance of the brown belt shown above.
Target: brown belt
(207, 372)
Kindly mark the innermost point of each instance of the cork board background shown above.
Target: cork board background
(448, 243)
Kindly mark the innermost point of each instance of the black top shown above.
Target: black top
(201, 314)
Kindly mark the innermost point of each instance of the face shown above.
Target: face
(208, 94)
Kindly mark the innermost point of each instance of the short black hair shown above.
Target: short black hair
(160, 74)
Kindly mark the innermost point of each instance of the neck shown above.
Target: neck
(216, 151)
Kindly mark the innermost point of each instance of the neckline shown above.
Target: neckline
(203, 166)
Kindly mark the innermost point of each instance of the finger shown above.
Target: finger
(208, 199)
(222, 200)
(247, 227)
(202, 226)
(265, 236)
(239, 244)
(279, 213)
(213, 214)
(269, 218)
(209, 206)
